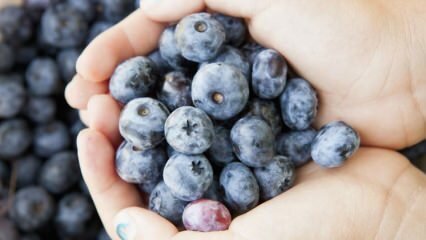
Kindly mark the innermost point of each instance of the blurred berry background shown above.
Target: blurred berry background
(42, 193)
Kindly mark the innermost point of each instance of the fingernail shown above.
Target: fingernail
(124, 227)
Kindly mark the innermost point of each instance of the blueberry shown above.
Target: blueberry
(8, 230)
(165, 204)
(253, 141)
(220, 153)
(200, 37)
(276, 177)
(32, 208)
(268, 111)
(4, 174)
(269, 74)
(83, 187)
(43, 77)
(188, 176)
(25, 54)
(132, 79)
(214, 192)
(240, 187)
(169, 50)
(13, 77)
(31, 236)
(66, 60)
(16, 137)
(51, 138)
(116, 10)
(15, 25)
(84, 7)
(175, 90)
(220, 90)
(189, 130)
(161, 65)
(334, 144)
(142, 122)
(251, 49)
(234, 57)
(63, 26)
(298, 104)
(40, 109)
(296, 145)
(60, 172)
(235, 29)
(206, 216)
(74, 212)
(415, 152)
(136, 166)
(7, 57)
(103, 235)
(98, 28)
(27, 170)
(12, 98)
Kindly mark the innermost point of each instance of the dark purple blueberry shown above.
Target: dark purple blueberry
(40, 109)
(188, 176)
(296, 145)
(63, 26)
(416, 151)
(142, 122)
(74, 212)
(116, 10)
(175, 90)
(43, 77)
(251, 49)
(268, 111)
(220, 90)
(165, 204)
(200, 37)
(83, 187)
(12, 98)
(8, 230)
(206, 216)
(334, 144)
(7, 57)
(103, 235)
(189, 130)
(169, 50)
(299, 104)
(269, 74)
(221, 153)
(140, 166)
(161, 65)
(84, 7)
(27, 169)
(253, 141)
(235, 29)
(15, 25)
(60, 172)
(66, 60)
(97, 28)
(13, 77)
(32, 208)
(15, 138)
(240, 187)
(134, 78)
(276, 177)
(51, 138)
(213, 192)
(148, 187)
(234, 57)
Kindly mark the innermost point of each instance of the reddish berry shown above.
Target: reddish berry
(206, 216)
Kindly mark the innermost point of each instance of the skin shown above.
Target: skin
(374, 83)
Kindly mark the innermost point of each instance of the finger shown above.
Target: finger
(189, 235)
(135, 35)
(110, 194)
(138, 223)
(79, 91)
(84, 116)
(104, 114)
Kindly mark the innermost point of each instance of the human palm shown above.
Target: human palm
(368, 68)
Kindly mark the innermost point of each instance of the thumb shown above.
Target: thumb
(138, 223)
(173, 10)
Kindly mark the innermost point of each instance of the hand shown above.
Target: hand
(365, 58)
(138, 34)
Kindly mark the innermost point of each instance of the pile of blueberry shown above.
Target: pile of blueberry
(42, 194)
(214, 124)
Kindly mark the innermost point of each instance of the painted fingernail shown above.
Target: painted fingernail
(124, 228)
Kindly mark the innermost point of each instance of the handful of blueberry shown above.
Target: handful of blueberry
(234, 122)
